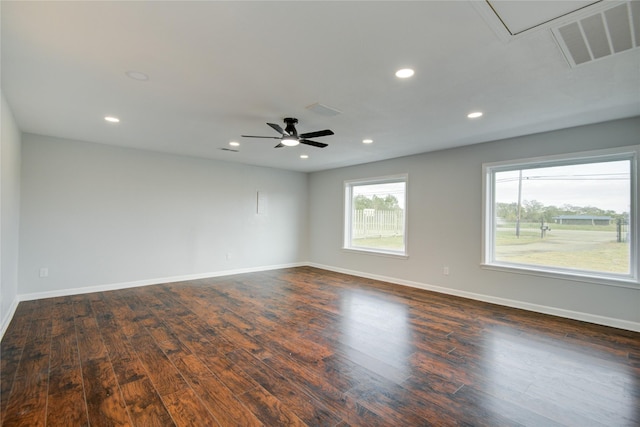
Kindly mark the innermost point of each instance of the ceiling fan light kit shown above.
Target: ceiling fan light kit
(290, 141)
(289, 135)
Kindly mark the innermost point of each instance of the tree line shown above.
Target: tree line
(386, 203)
(530, 211)
(534, 211)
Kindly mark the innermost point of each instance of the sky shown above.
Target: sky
(602, 185)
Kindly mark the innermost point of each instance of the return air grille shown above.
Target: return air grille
(597, 36)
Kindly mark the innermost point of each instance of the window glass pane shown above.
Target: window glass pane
(572, 216)
(377, 216)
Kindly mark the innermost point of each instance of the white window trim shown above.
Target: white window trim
(630, 280)
(348, 196)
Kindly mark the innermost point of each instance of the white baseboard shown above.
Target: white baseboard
(8, 316)
(6, 320)
(585, 317)
(569, 314)
(148, 282)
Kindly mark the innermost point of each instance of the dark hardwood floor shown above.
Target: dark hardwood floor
(309, 347)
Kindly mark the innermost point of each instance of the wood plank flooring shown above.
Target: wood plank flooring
(304, 346)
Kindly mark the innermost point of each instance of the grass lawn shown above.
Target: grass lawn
(590, 248)
(579, 247)
(388, 242)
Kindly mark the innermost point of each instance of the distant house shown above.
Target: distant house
(582, 219)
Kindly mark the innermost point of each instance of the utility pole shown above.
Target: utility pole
(519, 204)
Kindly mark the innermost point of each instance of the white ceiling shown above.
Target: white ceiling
(221, 69)
(521, 15)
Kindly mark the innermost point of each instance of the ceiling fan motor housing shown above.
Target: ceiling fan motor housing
(290, 128)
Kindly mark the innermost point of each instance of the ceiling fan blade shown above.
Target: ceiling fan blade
(279, 145)
(316, 134)
(277, 128)
(314, 143)
(253, 136)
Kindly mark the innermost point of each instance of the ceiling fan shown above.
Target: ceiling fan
(289, 135)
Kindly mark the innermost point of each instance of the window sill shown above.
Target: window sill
(378, 253)
(622, 281)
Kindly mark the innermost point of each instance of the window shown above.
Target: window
(375, 215)
(574, 214)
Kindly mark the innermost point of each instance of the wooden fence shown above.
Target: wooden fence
(367, 223)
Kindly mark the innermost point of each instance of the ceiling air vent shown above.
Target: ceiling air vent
(601, 35)
(323, 110)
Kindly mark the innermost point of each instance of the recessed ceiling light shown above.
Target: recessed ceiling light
(112, 119)
(234, 144)
(137, 75)
(404, 73)
(304, 156)
(475, 114)
(367, 141)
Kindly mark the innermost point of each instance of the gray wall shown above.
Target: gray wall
(97, 215)
(9, 213)
(445, 226)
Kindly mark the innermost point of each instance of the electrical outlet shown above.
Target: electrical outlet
(44, 272)
(445, 270)
(228, 256)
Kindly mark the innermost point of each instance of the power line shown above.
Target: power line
(597, 177)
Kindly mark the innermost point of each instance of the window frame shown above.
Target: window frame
(347, 214)
(630, 153)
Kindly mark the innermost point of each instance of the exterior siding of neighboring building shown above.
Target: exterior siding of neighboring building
(582, 220)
